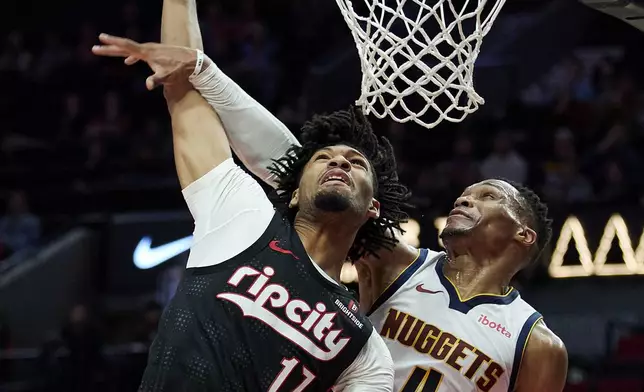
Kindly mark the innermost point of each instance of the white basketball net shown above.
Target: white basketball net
(393, 44)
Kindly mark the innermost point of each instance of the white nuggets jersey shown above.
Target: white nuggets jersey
(442, 343)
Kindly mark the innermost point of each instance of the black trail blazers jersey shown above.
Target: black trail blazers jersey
(265, 320)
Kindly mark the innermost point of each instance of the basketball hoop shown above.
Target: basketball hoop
(417, 59)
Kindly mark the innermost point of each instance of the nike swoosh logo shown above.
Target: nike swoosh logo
(146, 257)
(420, 288)
(275, 245)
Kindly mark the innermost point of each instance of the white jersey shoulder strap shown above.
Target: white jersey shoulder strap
(425, 259)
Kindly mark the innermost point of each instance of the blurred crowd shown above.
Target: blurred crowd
(576, 136)
(75, 124)
(90, 352)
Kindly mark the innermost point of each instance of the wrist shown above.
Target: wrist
(197, 63)
(200, 67)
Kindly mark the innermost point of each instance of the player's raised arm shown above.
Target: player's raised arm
(545, 364)
(200, 143)
(256, 136)
(180, 24)
(180, 27)
(226, 203)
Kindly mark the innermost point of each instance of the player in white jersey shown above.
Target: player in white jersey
(443, 343)
(450, 319)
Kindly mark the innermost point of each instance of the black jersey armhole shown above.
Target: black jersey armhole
(261, 243)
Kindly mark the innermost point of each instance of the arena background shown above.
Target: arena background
(86, 171)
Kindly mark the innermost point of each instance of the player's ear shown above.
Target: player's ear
(526, 236)
(374, 209)
(295, 199)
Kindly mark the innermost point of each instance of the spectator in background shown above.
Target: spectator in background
(168, 281)
(563, 182)
(72, 118)
(568, 81)
(505, 161)
(5, 338)
(574, 81)
(614, 187)
(461, 170)
(83, 340)
(214, 29)
(15, 57)
(567, 186)
(255, 70)
(149, 323)
(426, 188)
(293, 115)
(149, 147)
(617, 146)
(564, 150)
(52, 57)
(19, 229)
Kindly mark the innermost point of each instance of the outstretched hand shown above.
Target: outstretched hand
(169, 63)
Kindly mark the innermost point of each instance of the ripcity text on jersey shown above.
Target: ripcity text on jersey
(264, 320)
(442, 343)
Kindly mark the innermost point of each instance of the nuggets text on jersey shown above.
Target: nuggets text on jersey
(427, 339)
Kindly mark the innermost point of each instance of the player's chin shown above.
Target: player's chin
(333, 199)
(454, 230)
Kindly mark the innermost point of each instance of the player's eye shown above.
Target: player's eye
(489, 196)
(322, 156)
(359, 162)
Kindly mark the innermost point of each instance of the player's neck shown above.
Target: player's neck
(473, 276)
(375, 274)
(327, 243)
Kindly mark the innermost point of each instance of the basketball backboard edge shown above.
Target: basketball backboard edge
(629, 11)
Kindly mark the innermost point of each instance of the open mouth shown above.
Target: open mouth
(337, 176)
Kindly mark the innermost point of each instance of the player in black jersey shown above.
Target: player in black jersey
(260, 307)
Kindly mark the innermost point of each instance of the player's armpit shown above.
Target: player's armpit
(545, 362)
(200, 143)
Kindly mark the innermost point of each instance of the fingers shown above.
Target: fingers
(124, 43)
(155, 81)
(131, 60)
(118, 47)
(110, 51)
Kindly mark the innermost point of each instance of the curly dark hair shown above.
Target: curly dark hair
(349, 127)
(537, 212)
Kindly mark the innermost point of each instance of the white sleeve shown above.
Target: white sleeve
(371, 371)
(231, 212)
(255, 135)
